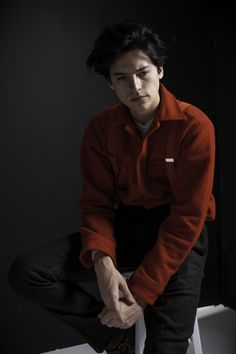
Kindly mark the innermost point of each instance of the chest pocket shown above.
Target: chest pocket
(163, 168)
(156, 169)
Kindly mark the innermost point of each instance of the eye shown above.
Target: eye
(120, 78)
(143, 73)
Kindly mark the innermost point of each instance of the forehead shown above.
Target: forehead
(130, 61)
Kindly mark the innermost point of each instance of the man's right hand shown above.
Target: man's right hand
(110, 282)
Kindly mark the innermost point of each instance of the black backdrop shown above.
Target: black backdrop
(47, 98)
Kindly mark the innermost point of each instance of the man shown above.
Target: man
(147, 165)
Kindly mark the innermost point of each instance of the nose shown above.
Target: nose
(135, 84)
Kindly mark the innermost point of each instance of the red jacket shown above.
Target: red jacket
(116, 163)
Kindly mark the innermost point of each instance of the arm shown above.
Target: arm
(97, 198)
(179, 231)
(97, 216)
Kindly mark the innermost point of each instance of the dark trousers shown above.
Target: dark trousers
(51, 277)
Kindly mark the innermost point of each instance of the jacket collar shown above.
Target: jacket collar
(169, 110)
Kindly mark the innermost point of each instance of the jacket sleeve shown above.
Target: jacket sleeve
(178, 233)
(97, 198)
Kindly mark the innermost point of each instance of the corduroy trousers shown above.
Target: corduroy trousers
(51, 276)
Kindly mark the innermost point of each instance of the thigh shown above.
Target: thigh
(172, 317)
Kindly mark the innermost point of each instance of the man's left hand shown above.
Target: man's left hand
(127, 315)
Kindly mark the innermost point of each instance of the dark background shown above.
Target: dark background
(47, 98)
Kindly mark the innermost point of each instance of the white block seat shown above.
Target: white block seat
(195, 346)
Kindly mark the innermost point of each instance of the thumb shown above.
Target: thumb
(126, 293)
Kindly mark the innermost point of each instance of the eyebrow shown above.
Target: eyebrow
(141, 69)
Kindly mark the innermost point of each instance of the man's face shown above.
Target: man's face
(135, 80)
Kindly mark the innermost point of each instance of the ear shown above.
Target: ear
(110, 84)
(160, 72)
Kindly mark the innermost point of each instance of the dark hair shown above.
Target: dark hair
(121, 37)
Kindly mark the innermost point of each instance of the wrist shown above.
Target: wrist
(97, 255)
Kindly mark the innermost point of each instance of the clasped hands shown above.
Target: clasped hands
(120, 311)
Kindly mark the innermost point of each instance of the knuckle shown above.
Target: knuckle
(120, 318)
(128, 324)
(106, 301)
(123, 320)
(113, 294)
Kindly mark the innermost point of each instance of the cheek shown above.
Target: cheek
(154, 85)
(121, 94)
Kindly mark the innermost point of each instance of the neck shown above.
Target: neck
(143, 119)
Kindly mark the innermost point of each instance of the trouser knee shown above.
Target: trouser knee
(19, 273)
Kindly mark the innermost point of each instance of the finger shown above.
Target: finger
(114, 301)
(111, 324)
(104, 310)
(107, 300)
(104, 313)
(112, 296)
(115, 322)
(107, 317)
(116, 325)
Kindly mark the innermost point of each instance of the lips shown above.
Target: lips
(137, 98)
